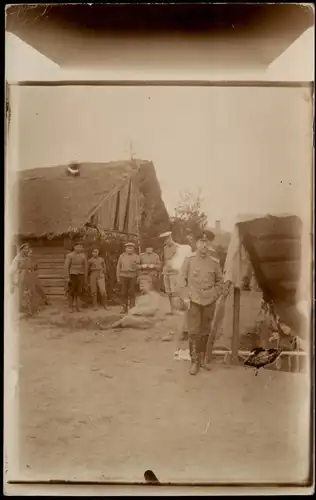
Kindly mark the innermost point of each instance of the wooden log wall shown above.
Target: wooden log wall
(50, 259)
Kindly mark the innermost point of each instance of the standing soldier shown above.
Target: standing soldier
(96, 271)
(126, 273)
(202, 275)
(76, 274)
(192, 242)
(170, 275)
(150, 265)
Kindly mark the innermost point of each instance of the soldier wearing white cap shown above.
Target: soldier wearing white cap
(126, 273)
(170, 275)
(201, 275)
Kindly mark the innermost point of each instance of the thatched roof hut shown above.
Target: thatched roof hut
(52, 202)
(123, 198)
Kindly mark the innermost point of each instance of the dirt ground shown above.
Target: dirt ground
(108, 405)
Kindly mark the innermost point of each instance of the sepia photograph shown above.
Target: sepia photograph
(158, 273)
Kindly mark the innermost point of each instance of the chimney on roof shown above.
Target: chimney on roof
(73, 169)
(218, 226)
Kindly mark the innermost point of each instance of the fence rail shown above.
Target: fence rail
(289, 361)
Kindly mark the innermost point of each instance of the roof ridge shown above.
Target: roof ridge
(92, 163)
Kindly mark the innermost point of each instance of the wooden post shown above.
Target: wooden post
(236, 316)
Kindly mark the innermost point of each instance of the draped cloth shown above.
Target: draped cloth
(232, 276)
(234, 271)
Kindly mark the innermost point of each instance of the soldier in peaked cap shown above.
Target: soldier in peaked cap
(126, 273)
(201, 275)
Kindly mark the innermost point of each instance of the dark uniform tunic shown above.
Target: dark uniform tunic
(76, 271)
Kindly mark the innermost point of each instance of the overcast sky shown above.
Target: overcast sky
(247, 148)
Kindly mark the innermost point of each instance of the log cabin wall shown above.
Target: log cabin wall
(50, 258)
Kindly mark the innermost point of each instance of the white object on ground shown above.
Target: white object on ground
(208, 424)
(182, 354)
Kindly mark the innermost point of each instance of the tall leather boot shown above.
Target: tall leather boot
(203, 353)
(195, 365)
(104, 302)
(77, 304)
(95, 301)
(71, 303)
(171, 302)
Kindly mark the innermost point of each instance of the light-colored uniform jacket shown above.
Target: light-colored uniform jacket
(203, 278)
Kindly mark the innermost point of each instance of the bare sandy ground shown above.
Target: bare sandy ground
(107, 405)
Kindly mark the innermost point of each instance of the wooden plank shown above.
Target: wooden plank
(46, 283)
(47, 273)
(55, 291)
(52, 283)
(52, 288)
(50, 263)
(236, 324)
(46, 265)
(50, 269)
(50, 251)
(52, 276)
(47, 257)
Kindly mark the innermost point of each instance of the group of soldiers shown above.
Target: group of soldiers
(81, 272)
(198, 283)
